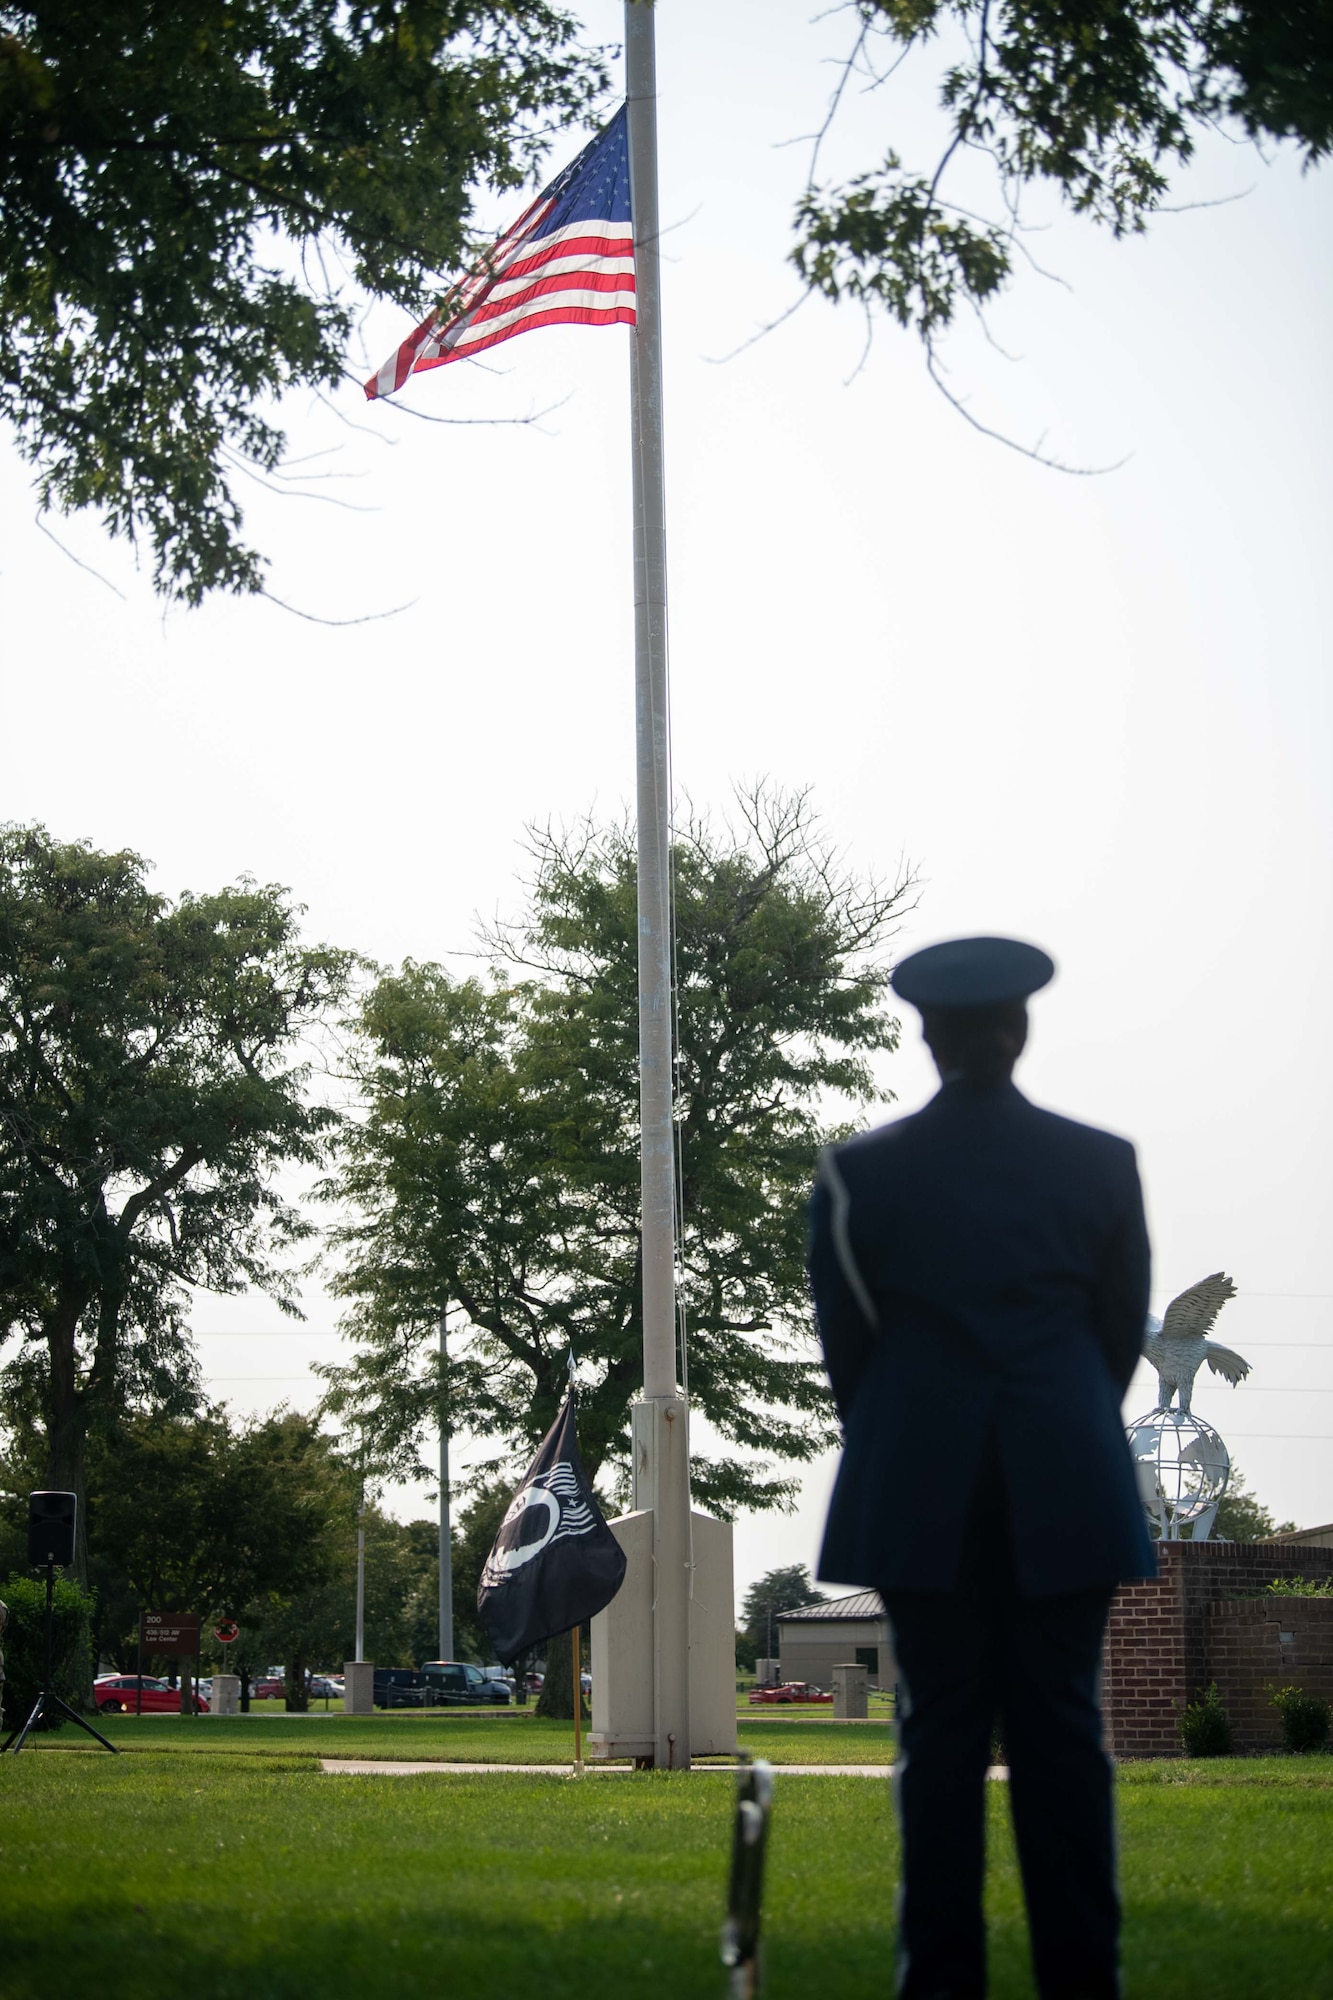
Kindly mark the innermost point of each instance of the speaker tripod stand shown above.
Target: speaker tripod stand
(48, 1699)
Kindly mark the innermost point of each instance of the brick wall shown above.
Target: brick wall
(1143, 1667)
(1157, 1642)
(1251, 1648)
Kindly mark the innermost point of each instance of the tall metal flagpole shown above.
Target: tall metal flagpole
(661, 1468)
(446, 1534)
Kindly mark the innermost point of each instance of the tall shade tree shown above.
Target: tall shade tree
(778, 1590)
(220, 1518)
(153, 1081)
(1100, 99)
(194, 202)
(1242, 1515)
(496, 1168)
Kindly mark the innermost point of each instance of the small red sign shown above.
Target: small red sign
(227, 1632)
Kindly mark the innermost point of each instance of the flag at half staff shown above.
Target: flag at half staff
(567, 261)
(555, 1561)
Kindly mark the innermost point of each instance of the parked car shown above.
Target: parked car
(789, 1691)
(267, 1688)
(454, 1683)
(400, 1687)
(324, 1687)
(119, 1694)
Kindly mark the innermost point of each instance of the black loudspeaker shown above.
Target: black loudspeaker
(51, 1528)
(51, 1546)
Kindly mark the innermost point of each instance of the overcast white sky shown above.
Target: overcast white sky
(1094, 711)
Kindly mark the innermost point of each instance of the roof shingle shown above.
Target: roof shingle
(861, 1604)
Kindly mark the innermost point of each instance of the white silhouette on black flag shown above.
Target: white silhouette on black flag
(555, 1562)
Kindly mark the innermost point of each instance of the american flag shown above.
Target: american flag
(567, 261)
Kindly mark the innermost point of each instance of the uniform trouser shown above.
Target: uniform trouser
(966, 1659)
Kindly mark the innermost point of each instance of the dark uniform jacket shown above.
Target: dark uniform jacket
(980, 1273)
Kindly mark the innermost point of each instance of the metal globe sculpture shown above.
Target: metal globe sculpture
(1182, 1467)
(1181, 1463)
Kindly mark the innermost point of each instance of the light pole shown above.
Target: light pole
(446, 1539)
(361, 1576)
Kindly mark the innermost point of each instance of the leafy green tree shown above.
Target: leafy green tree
(172, 181)
(153, 1080)
(779, 1590)
(24, 1645)
(556, 1699)
(200, 1514)
(313, 1624)
(496, 1167)
(1242, 1517)
(478, 1526)
(1101, 99)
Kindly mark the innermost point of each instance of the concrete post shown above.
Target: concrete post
(851, 1687)
(358, 1687)
(226, 1696)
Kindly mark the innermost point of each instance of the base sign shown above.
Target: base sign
(170, 1632)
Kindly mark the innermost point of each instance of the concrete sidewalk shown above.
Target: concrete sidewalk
(369, 1767)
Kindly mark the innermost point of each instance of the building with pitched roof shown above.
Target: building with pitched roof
(819, 1637)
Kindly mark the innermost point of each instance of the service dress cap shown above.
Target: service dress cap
(972, 972)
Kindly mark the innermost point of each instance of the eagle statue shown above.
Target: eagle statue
(1177, 1346)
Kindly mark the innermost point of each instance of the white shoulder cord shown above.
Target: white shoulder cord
(842, 1241)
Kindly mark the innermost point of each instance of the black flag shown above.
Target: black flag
(555, 1561)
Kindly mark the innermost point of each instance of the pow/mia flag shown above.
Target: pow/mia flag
(555, 1562)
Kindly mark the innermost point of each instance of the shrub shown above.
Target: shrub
(24, 1645)
(1204, 1728)
(1305, 1718)
(1299, 1586)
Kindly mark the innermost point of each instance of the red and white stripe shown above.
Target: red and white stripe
(582, 275)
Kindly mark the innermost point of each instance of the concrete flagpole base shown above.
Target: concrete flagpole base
(663, 1651)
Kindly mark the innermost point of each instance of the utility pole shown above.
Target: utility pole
(361, 1576)
(446, 1533)
(661, 1445)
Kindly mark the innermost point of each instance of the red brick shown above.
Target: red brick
(1199, 1621)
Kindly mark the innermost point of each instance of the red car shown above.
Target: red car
(789, 1691)
(267, 1688)
(118, 1694)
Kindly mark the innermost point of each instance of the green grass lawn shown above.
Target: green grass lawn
(254, 1877)
(503, 1736)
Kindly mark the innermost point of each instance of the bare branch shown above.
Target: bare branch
(77, 561)
(313, 617)
(933, 367)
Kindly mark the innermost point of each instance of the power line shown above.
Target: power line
(1326, 1345)
(321, 1333)
(1247, 1293)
